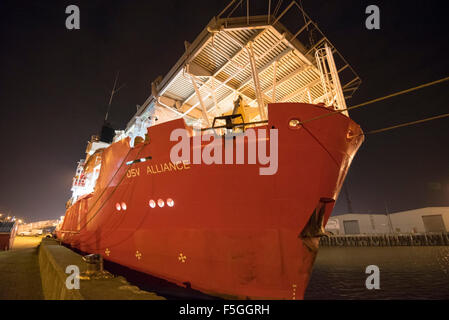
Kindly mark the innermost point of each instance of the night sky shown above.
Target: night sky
(55, 85)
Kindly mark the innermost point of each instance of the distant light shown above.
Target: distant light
(124, 206)
(20, 221)
(170, 202)
(7, 218)
(160, 203)
(118, 207)
(152, 204)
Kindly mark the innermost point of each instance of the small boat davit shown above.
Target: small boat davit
(226, 175)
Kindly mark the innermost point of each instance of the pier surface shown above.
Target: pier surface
(19, 271)
(34, 269)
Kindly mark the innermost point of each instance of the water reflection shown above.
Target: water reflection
(405, 273)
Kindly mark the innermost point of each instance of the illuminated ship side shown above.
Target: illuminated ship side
(225, 229)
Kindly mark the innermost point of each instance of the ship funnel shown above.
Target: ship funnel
(107, 133)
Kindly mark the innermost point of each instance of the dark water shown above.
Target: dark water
(405, 273)
(339, 274)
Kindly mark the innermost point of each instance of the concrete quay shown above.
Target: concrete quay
(35, 269)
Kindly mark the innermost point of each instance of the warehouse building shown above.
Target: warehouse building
(7, 234)
(36, 225)
(431, 219)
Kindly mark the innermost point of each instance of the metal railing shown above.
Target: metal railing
(387, 240)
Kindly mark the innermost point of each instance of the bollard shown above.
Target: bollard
(94, 263)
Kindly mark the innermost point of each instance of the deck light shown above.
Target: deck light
(294, 124)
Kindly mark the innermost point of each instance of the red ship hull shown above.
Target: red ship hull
(231, 231)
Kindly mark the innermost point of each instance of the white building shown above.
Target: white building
(432, 219)
(37, 225)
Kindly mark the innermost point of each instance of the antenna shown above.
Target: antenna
(113, 92)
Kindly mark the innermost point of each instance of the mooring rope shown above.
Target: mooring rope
(406, 124)
(378, 99)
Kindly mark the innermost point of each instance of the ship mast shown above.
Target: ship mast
(113, 92)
